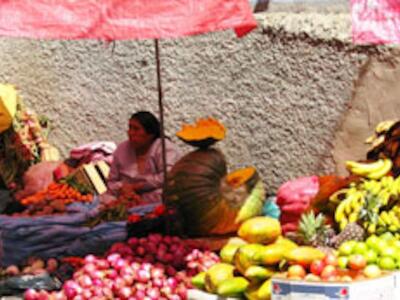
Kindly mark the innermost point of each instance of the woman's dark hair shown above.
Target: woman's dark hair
(149, 122)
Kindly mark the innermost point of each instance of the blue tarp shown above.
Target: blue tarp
(59, 235)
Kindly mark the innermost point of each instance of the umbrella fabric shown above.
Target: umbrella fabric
(122, 19)
(376, 21)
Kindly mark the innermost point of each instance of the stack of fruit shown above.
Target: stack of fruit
(155, 267)
(34, 266)
(52, 200)
(256, 255)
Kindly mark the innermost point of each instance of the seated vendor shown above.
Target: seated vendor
(137, 162)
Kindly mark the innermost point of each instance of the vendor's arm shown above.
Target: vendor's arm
(114, 181)
(155, 180)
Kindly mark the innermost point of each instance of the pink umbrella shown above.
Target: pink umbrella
(124, 19)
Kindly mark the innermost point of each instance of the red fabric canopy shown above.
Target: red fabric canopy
(376, 21)
(122, 19)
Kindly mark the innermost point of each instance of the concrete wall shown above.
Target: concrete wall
(281, 91)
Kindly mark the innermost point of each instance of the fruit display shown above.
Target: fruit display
(371, 203)
(52, 200)
(34, 266)
(211, 201)
(250, 260)
(202, 134)
(386, 143)
(155, 267)
(24, 143)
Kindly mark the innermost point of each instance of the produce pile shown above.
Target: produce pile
(34, 266)
(155, 267)
(345, 230)
(52, 200)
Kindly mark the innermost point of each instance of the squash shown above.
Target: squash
(202, 134)
(210, 201)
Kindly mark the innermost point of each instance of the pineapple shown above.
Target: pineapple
(314, 231)
(352, 232)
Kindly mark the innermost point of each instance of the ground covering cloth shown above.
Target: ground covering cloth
(59, 235)
(122, 19)
(376, 21)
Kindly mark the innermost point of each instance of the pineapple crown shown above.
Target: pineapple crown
(311, 226)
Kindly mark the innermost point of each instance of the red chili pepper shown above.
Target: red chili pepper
(134, 218)
(160, 210)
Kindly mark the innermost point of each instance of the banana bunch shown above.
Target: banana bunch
(380, 129)
(363, 202)
(389, 220)
(375, 170)
(349, 208)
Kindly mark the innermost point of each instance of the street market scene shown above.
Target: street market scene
(200, 149)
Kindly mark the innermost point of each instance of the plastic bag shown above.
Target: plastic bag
(18, 284)
(294, 198)
(37, 178)
(376, 21)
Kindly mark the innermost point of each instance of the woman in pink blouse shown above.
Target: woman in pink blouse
(137, 162)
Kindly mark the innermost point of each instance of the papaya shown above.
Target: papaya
(265, 290)
(199, 280)
(233, 287)
(236, 241)
(258, 273)
(261, 230)
(303, 255)
(217, 274)
(252, 292)
(247, 256)
(287, 242)
(273, 254)
(227, 253)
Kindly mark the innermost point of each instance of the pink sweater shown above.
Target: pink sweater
(124, 169)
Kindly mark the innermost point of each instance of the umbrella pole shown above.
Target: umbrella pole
(161, 108)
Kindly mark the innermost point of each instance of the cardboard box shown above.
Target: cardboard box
(396, 276)
(93, 175)
(382, 288)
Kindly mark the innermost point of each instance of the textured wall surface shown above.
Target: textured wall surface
(280, 91)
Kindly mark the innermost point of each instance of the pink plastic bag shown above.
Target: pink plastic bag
(294, 198)
(376, 21)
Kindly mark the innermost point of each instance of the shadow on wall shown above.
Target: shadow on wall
(259, 5)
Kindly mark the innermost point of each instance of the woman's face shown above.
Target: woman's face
(138, 136)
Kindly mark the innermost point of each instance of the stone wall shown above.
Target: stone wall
(282, 91)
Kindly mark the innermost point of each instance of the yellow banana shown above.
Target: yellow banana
(381, 222)
(384, 126)
(364, 168)
(385, 217)
(384, 197)
(339, 212)
(371, 228)
(377, 174)
(393, 219)
(343, 223)
(353, 217)
(335, 197)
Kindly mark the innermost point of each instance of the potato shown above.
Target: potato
(12, 270)
(38, 264)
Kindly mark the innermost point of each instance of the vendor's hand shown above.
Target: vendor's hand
(128, 188)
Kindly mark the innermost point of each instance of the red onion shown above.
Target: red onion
(125, 292)
(30, 294)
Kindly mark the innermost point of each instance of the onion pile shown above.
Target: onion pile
(156, 267)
